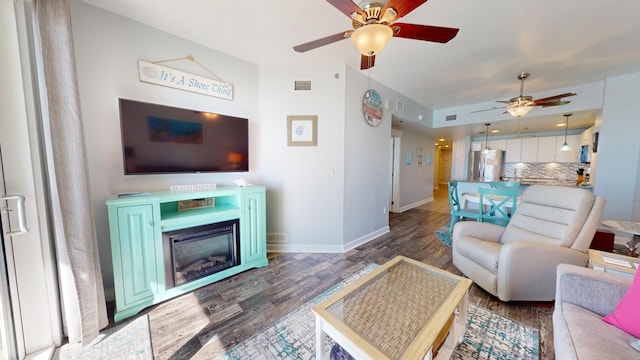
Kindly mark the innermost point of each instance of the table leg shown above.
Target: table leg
(319, 339)
(462, 315)
(633, 245)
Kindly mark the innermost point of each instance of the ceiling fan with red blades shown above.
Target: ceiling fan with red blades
(520, 106)
(373, 26)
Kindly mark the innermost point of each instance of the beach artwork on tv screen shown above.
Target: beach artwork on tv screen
(175, 131)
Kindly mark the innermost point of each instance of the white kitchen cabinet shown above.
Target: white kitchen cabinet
(498, 144)
(514, 150)
(546, 149)
(529, 150)
(477, 146)
(569, 155)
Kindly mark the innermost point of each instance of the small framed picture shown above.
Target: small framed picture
(302, 130)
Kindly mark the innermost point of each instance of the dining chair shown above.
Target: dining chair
(498, 205)
(457, 212)
(504, 184)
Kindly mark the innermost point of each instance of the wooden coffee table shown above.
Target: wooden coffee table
(403, 310)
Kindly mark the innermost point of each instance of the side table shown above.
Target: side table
(614, 263)
(629, 227)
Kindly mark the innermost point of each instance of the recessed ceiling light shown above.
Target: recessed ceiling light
(495, 131)
(441, 140)
(560, 125)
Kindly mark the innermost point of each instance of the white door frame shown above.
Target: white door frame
(396, 137)
(30, 257)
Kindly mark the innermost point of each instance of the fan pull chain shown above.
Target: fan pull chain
(369, 71)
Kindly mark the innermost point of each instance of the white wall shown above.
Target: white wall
(305, 184)
(107, 49)
(416, 182)
(619, 148)
(367, 164)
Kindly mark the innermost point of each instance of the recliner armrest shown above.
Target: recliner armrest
(526, 269)
(484, 231)
(593, 290)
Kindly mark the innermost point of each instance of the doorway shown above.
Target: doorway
(445, 166)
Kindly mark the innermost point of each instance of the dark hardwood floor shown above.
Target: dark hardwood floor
(203, 323)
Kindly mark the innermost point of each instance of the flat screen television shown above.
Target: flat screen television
(159, 139)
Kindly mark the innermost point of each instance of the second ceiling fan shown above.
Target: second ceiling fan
(373, 27)
(520, 106)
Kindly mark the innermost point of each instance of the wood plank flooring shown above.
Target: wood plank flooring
(203, 323)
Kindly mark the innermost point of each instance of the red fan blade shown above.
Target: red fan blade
(543, 100)
(367, 62)
(323, 41)
(425, 32)
(347, 7)
(553, 103)
(403, 7)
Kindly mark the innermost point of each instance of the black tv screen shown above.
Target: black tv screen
(158, 139)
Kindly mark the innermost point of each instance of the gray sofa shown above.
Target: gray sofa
(583, 297)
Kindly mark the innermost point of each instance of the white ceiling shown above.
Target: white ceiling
(561, 43)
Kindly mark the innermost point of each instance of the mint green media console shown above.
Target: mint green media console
(145, 249)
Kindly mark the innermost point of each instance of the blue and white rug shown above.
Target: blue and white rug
(488, 335)
(442, 234)
(131, 340)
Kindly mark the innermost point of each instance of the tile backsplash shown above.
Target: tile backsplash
(556, 171)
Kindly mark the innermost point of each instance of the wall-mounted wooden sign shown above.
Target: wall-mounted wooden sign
(162, 75)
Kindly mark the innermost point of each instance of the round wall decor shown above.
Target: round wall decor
(372, 107)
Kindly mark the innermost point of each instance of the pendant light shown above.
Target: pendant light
(486, 138)
(565, 146)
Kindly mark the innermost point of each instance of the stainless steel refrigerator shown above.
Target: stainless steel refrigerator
(486, 165)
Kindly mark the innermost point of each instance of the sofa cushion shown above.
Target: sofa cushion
(594, 339)
(626, 316)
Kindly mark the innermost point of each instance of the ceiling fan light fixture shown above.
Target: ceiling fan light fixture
(519, 110)
(370, 39)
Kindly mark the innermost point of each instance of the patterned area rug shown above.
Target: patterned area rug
(443, 235)
(488, 335)
(131, 340)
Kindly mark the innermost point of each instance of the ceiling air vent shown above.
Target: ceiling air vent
(451, 117)
(302, 85)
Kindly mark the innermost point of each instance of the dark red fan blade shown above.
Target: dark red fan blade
(367, 62)
(347, 7)
(425, 32)
(555, 97)
(321, 42)
(553, 103)
(403, 7)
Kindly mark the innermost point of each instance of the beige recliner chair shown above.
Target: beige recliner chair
(552, 225)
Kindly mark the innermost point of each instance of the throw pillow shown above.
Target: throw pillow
(626, 316)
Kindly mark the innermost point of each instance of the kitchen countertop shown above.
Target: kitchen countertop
(543, 181)
(538, 181)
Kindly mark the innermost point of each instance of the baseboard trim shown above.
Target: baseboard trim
(415, 204)
(333, 249)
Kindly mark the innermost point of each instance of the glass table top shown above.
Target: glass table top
(392, 308)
